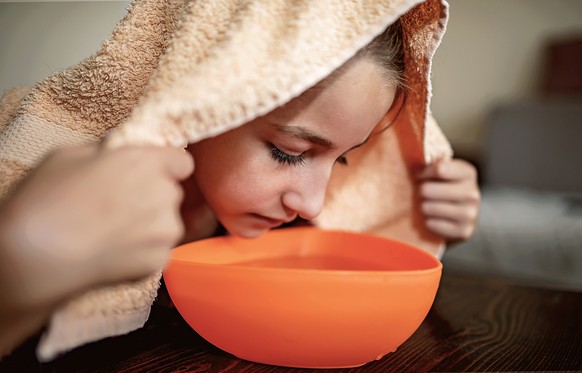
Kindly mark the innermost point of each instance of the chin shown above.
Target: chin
(247, 232)
(250, 235)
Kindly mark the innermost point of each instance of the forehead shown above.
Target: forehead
(356, 97)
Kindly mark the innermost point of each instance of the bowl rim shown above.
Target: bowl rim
(437, 267)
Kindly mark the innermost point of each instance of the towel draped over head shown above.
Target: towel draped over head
(175, 72)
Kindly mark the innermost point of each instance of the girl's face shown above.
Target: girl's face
(271, 170)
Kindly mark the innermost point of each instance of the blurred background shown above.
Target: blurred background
(507, 84)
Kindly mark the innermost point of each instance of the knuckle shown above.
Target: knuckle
(131, 155)
(169, 236)
(156, 260)
(141, 154)
(174, 193)
(472, 172)
(473, 215)
(179, 191)
(466, 232)
(426, 207)
(180, 231)
(425, 189)
(54, 156)
(61, 154)
(467, 166)
(167, 194)
(176, 230)
(445, 167)
(470, 215)
(475, 196)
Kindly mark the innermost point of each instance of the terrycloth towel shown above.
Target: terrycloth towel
(174, 72)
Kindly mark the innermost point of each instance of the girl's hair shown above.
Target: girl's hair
(388, 51)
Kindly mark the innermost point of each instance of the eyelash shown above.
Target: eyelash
(284, 158)
(296, 160)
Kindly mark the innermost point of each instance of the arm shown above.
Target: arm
(85, 218)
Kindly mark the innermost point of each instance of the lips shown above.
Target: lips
(273, 222)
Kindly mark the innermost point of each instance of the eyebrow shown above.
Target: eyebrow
(307, 135)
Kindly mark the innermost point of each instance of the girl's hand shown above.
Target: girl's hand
(450, 198)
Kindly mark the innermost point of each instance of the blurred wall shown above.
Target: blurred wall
(492, 51)
(38, 38)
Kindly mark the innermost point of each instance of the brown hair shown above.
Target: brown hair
(388, 51)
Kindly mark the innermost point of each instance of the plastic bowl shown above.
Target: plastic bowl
(303, 297)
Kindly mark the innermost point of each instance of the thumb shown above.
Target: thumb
(428, 172)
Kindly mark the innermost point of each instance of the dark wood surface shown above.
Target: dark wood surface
(475, 325)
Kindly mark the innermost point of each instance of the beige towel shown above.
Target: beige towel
(174, 72)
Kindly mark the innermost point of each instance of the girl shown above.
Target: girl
(295, 147)
(291, 109)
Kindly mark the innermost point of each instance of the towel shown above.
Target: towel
(174, 72)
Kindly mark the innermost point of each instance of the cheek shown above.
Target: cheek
(236, 177)
(256, 182)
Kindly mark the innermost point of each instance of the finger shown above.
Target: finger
(449, 230)
(150, 254)
(461, 213)
(83, 150)
(449, 191)
(178, 163)
(454, 169)
(137, 263)
(428, 172)
(71, 155)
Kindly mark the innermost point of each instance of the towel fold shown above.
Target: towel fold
(175, 72)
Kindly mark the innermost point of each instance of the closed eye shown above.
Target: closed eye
(284, 158)
(294, 160)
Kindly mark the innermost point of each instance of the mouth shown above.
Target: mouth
(271, 222)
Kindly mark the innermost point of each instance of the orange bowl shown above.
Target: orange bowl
(303, 297)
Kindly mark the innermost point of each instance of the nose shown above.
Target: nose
(307, 195)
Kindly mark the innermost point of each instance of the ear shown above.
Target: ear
(397, 105)
(393, 112)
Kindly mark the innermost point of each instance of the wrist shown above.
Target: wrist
(29, 280)
(21, 315)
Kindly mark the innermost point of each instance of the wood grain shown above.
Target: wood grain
(475, 325)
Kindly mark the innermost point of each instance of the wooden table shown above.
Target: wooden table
(475, 324)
